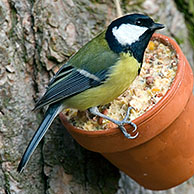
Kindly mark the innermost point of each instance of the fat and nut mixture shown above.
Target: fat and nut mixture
(157, 73)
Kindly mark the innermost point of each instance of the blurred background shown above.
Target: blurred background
(36, 38)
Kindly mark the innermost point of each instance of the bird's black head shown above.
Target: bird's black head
(131, 33)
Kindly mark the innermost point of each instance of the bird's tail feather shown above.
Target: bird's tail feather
(50, 115)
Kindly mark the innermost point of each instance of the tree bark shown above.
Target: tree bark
(36, 38)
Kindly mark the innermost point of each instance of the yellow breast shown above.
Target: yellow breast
(121, 76)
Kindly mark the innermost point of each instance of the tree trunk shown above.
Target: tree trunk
(36, 38)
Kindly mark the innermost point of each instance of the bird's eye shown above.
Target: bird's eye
(138, 22)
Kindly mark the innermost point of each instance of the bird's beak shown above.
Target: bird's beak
(157, 26)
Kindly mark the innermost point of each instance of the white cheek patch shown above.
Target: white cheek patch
(128, 33)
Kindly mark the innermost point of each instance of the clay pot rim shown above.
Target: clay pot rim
(155, 109)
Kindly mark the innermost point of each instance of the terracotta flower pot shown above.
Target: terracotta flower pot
(162, 156)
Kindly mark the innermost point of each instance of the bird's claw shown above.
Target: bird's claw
(120, 124)
(126, 121)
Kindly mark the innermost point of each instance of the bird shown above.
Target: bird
(97, 74)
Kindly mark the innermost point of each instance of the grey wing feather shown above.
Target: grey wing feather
(68, 82)
(63, 71)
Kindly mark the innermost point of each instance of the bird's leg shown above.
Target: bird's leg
(95, 111)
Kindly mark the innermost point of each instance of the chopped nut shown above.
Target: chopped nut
(155, 90)
(149, 80)
(151, 45)
(159, 95)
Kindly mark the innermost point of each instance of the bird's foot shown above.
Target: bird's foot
(126, 121)
(120, 124)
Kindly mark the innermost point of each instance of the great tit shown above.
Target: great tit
(97, 74)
